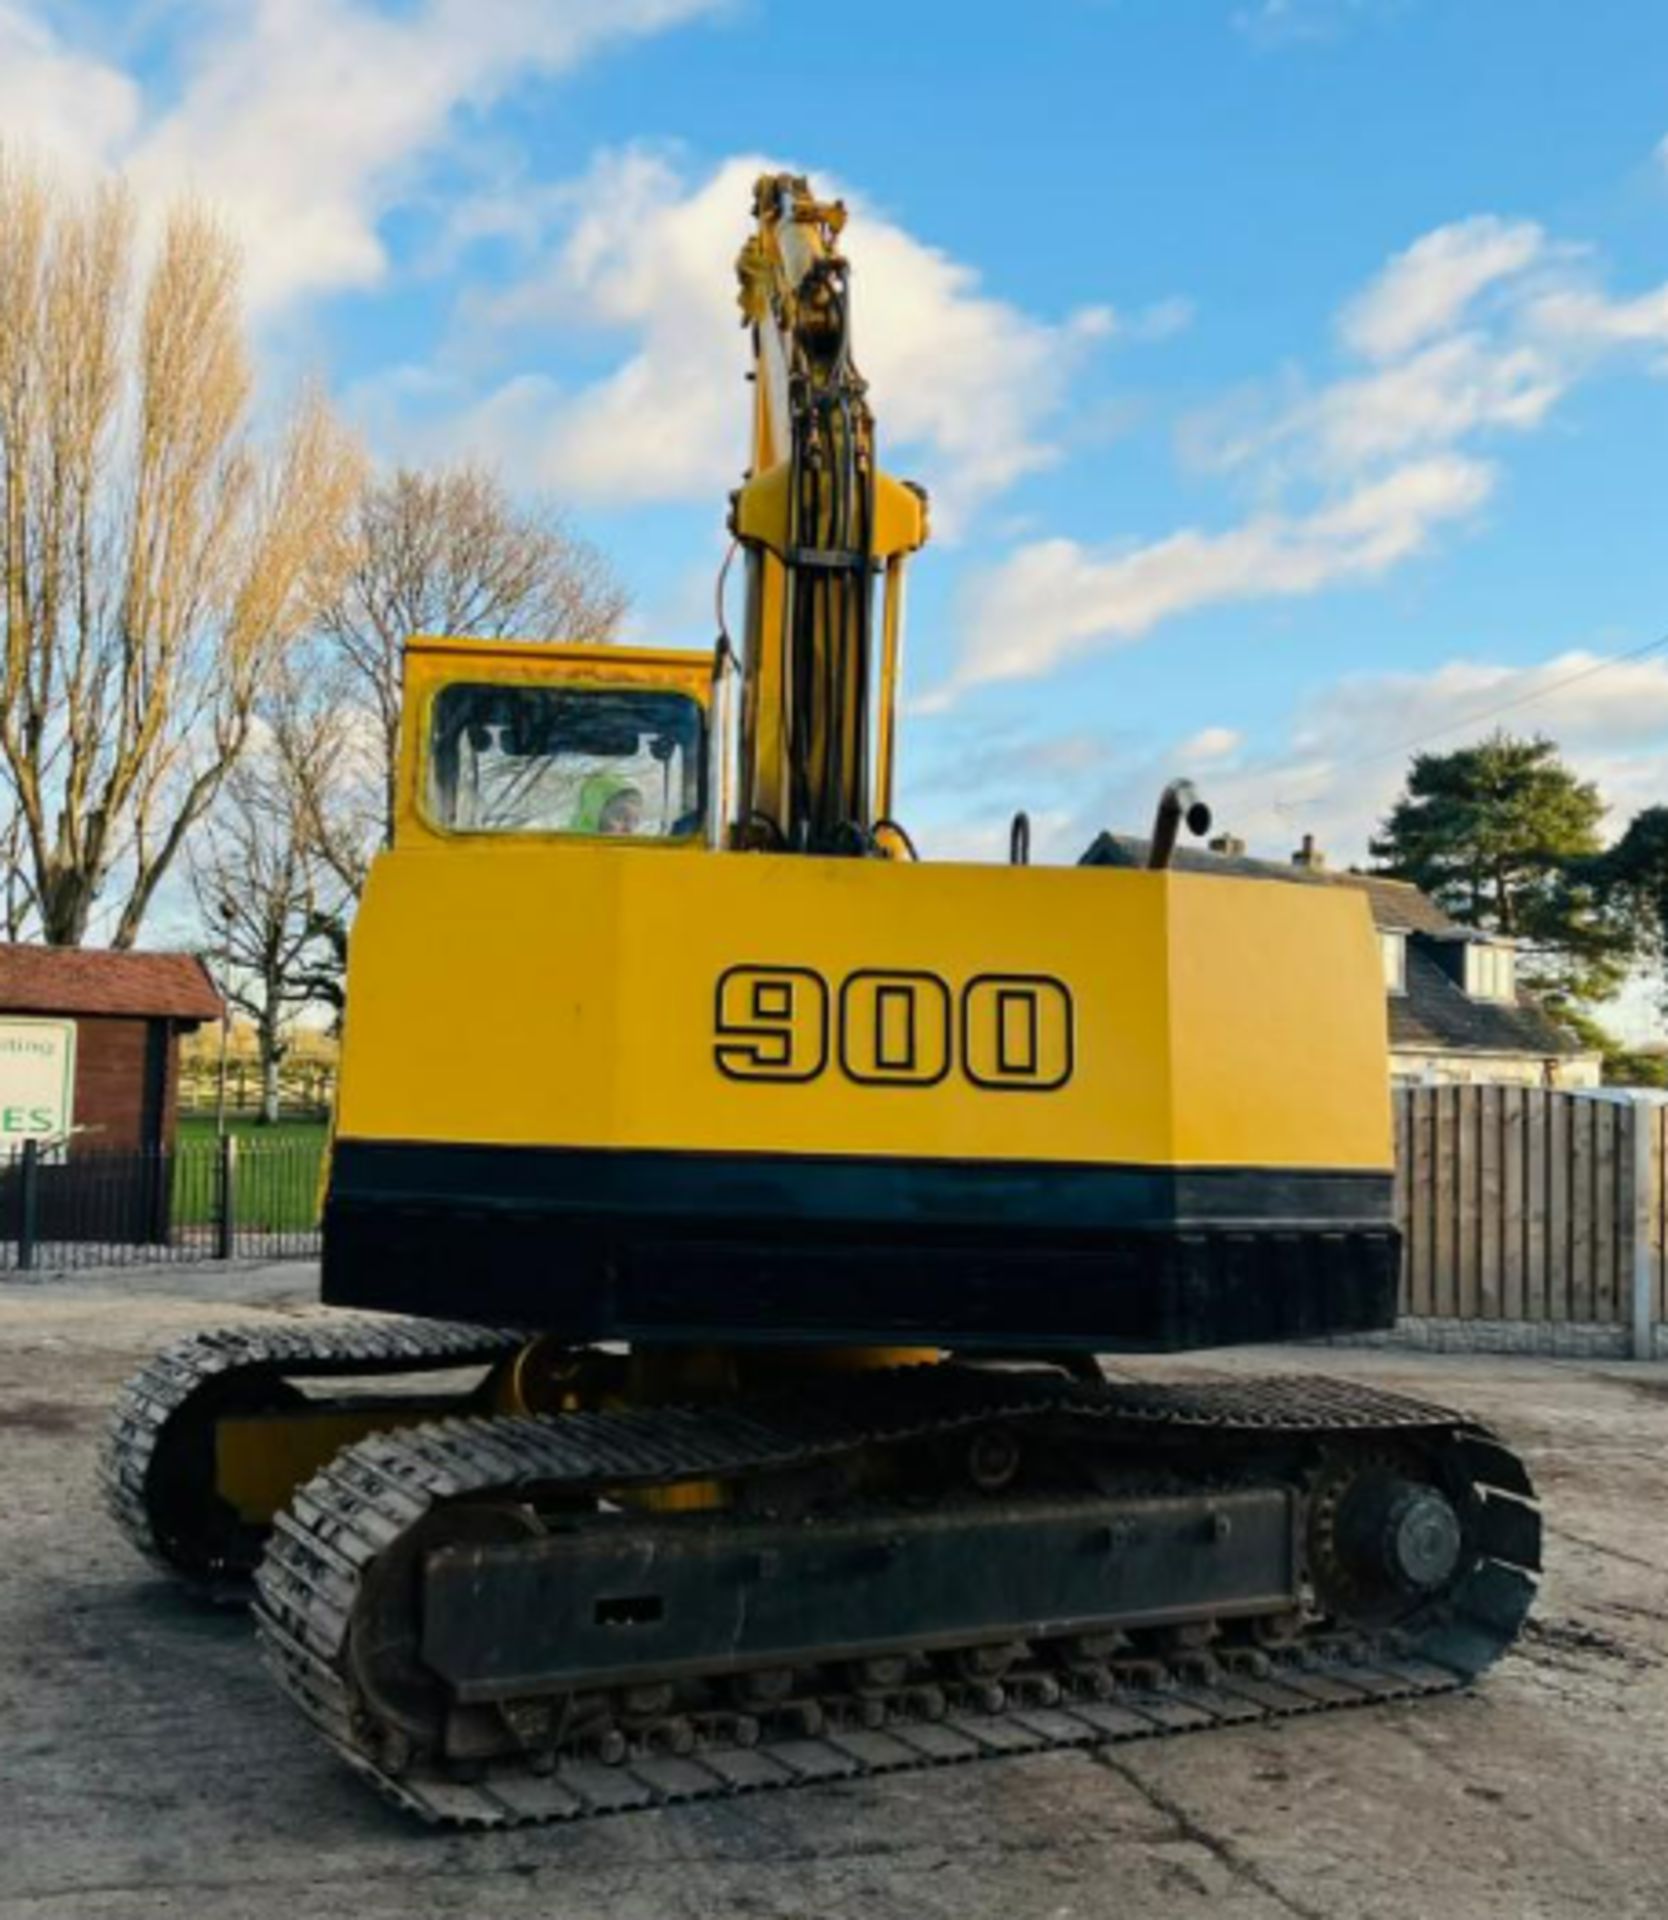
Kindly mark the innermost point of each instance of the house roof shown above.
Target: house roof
(83, 980)
(1434, 1013)
(1437, 1014)
(1397, 905)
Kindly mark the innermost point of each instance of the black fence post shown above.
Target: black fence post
(225, 1221)
(28, 1205)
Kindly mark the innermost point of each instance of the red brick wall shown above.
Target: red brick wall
(116, 1081)
(170, 1038)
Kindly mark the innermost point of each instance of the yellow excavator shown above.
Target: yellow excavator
(735, 1207)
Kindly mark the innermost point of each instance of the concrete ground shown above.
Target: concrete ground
(147, 1768)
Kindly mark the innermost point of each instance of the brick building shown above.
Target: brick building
(129, 1011)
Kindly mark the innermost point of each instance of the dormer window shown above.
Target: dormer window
(1393, 946)
(1490, 971)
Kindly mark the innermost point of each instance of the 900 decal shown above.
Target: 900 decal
(1006, 1032)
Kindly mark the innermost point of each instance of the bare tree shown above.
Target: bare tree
(259, 879)
(450, 552)
(17, 896)
(327, 752)
(155, 563)
(334, 759)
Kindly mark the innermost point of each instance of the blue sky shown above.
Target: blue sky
(1291, 376)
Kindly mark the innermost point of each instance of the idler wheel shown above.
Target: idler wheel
(194, 1528)
(1384, 1539)
(407, 1703)
(1401, 1532)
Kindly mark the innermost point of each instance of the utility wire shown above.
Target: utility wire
(1413, 744)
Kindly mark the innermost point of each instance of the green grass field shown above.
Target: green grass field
(278, 1171)
(194, 1127)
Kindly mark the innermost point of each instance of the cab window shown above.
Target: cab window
(593, 761)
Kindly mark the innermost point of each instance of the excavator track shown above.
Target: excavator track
(318, 1586)
(170, 1405)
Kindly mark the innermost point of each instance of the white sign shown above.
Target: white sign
(37, 1079)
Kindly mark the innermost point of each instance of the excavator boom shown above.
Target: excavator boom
(822, 526)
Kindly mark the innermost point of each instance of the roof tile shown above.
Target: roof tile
(1436, 1012)
(72, 980)
(1398, 906)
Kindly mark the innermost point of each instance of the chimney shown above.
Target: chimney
(1309, 855)
(1229, 845)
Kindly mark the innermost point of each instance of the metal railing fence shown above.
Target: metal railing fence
(217, 1199)
(1517, 1206)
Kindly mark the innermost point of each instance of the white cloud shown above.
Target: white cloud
(1163, 320)
(305, 121)
(972, 378)
(1332, 768)
(1427, 289)
(642, 255)
(1582, 316)
(965, 385)
(1479, 328)
(1209, 746)
(1445, 392)
(1275, 23)
(76, 108)
(1053, 599)
(1440, 395)
(1443, 363)
(1348, 746)
(972, 758)
(1584, 699)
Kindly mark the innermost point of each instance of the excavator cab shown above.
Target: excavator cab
(560, 760)
(511, 741)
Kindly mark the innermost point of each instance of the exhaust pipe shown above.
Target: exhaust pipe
(1176, 804)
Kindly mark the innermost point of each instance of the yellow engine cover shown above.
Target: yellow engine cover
(585, 995)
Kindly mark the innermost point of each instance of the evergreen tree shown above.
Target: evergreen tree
(1505, 837)
(1632, 878)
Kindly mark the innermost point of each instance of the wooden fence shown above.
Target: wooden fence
(305, 1087)
(1523, 1204)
